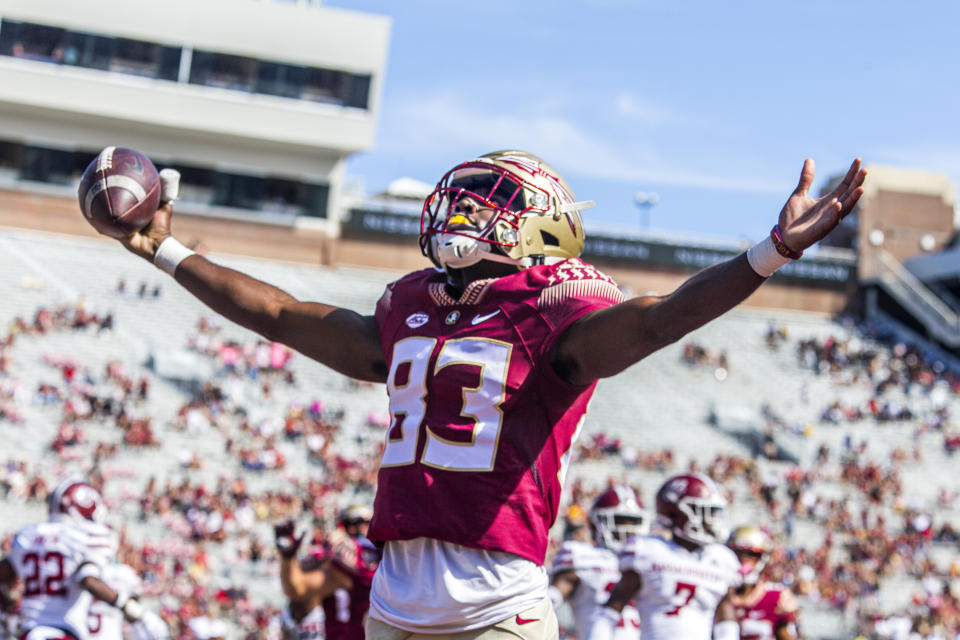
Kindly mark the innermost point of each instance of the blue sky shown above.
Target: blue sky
(713, 105)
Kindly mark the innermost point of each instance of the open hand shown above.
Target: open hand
(805, 221)
(286, 539)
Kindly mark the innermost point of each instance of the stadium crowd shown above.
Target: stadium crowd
(871, 533)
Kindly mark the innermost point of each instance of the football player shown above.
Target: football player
(105, 622)
(489, 361)
(683, 585)
(584, 573)
(329, 594)
(61, 560)
(765, 610)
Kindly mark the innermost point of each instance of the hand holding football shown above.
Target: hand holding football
(119, 192)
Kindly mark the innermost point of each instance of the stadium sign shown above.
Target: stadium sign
(813, 270)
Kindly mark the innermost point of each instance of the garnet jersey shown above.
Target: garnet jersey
(765, 609)
(310, 627)
(680, 589)
(104, 621)
(481, 423)
(346, 610)
(598, 570)
(51, 559)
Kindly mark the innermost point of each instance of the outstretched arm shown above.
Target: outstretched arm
(130, 606)
(319, 584)
(341, 339)
(608, 341)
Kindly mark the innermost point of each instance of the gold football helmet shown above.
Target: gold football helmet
(535, 216)
(752, 546)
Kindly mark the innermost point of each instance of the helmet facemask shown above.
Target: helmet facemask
(512, 197)
(704, 520)
(613, 527)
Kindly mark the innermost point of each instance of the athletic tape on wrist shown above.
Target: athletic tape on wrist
(132, 609)
(170, 254)
(764, 258)
(169, 185)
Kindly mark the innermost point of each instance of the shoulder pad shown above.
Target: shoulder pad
(575, 279)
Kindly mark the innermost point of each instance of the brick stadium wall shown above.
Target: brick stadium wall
(60, 214)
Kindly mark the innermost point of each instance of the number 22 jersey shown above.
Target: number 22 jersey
(51, 559)
(481, 423)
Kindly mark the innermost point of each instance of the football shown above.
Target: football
(119, 192)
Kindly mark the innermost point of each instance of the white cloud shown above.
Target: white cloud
(451, 125)
(630, 107)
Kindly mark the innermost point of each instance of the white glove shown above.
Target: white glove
(150, 627)
(169, 185)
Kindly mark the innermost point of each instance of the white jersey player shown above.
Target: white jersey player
(105, 622)
(683, 585)
(61, 560)
(583, 574)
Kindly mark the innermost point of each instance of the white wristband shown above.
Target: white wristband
(764, 258)
(132, 610)
(170, 254)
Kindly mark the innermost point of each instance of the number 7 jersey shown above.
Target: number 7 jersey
(680, 588)
(481, 424)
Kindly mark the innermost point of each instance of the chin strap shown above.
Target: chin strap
(455, 251)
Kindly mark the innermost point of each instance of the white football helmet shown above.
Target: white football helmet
(530, 213)
(692, 507)
(616, 515)
(75, 499)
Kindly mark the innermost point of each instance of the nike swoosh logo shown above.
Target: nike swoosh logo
(526, 620)
(137, 165)
(477, 319)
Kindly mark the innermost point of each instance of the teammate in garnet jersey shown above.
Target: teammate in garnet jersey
(62, 560)
(329, 592)
(584, 574)
(765, 610)
(683, 585)
(489, 360)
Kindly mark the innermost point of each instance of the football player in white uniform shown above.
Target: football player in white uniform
(683, 584)
(105, 622)
(584, 574)
(60, 560)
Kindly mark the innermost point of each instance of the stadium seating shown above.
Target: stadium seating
(698, 410)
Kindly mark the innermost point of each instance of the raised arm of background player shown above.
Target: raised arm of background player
(131, 607)
(299, 585)
(599, 345)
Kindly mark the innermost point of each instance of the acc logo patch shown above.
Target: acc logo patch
(417, 319)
